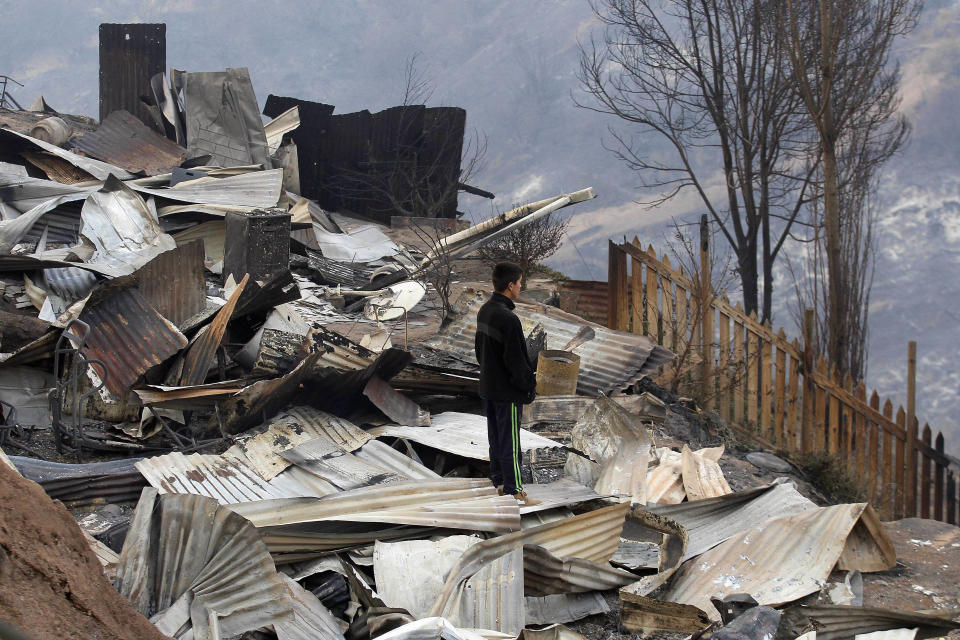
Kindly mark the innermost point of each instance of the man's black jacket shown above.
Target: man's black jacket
(506, 374)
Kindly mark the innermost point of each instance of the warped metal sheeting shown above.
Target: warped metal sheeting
(594, 535)
(612, 360)
(545, 574)
(173, 282)
(701, 474)
(227, 480)
(129, 337)
(387, 457)
(837, 622)
(711, 521)
(187, 559)
(310, 620)
(199, 355)
(785, 559)
(295, 426)
(123, 140)
(450, 503)
(566, 607)
(13, 141)
(113, 481)
(493, 598)
(560, 493)
(259, 189)
(338, 467)
(571, 408)
(464, 434)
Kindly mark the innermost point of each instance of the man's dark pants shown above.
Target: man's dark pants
(503, 432)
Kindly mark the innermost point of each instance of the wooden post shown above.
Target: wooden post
(706, 316)
(740, 362)
(723, 366)
(652, 306)
(780, 395)
(951, 498)
(910, 489)
(617, 302)
(938, 479)
(666, 294)
(901, 501)
(766, 388)
(753, 370)
(925, 472)
(874, 443)
(888, 488)
(635, 315)
(809, 391)
(793, 395)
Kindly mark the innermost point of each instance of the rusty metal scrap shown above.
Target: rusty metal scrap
(545, 574)
(173, 282)
(394, 405)
(123, 140)
(197, 358)
(837, 622)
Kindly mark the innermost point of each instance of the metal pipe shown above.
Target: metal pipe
(536, 215)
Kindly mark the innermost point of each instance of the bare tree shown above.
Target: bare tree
(710, 78)
(529, 245)
(839, 53)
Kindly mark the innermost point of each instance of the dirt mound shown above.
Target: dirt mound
(51, 584)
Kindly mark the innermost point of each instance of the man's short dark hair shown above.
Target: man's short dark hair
(504, 273)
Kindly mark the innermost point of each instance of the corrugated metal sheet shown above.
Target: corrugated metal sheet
(387, 457)
(125, 141)
(709, 522)
(594, 535)
(785, 559)
(665, 481)
(184, 544)
(16, 142)
(338, 467)
(293, 427)
(197, 358)
(613, 360)
(188, 398)
(212, 233)
(584, 298)
(114, 481)
(298, 543)
(130, 54)
(227, 480)
(565, 608)
(259, 189)
(545, 574)
(129, 336)
(56, 168)
(69, 283)
(311, 620)
(572, 408)
(561, 493)
(394, 405)
(451, 503)
(464, 434)
(283, 124)
(173, 282)
(294, 481)
(836, 622)
(493, 598)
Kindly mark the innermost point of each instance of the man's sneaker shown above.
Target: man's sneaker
(524, 500)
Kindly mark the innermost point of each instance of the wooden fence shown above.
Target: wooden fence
(774, 391)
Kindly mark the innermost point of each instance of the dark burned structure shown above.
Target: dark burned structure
(405, 158)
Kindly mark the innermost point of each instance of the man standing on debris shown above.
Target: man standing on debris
(507, 378)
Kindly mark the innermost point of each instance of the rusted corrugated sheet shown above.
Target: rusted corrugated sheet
(130, 54)
(129, 336)
(785, 559)
(197, 359)
(387, 457)
(227, 480)
(611, 361)
(584, 298)
(125, 141)
(293, 427)
(452, 503)
(311, 620)
(546, 574)
(114, 481)
(173, 282)
(837, 622)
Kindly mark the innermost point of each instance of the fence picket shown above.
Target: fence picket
(724, 404)
(926, 472)
(952, 500)
(900, 504)
(753, 369)
(938, 479)
(888, 495)
(861, 425)
(766, 390)
(638, 322)
(740, 363)
(652, 307)
(779, 398)
(666, 296)
(793, 397)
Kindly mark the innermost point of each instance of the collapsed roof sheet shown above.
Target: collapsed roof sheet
(611, 361)
(114, 481)
(123, 140)
(464, 434)
(785, 559)
(188, 559)
(227, 480)
(711, 521)
(99, 170)
(493, 598)
(250, 189)
(311, 620)
(129, 337)
(452, 503)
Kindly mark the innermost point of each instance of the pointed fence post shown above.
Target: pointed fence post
(940, 471)
(809, 392)
(910, 490)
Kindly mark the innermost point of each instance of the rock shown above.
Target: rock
(769, 462)
(757, 623)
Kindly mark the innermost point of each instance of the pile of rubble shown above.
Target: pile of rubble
(177, 302)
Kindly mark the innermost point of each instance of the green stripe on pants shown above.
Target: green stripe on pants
(515, 434)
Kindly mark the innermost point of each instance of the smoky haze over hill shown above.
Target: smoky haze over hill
(512, 66)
